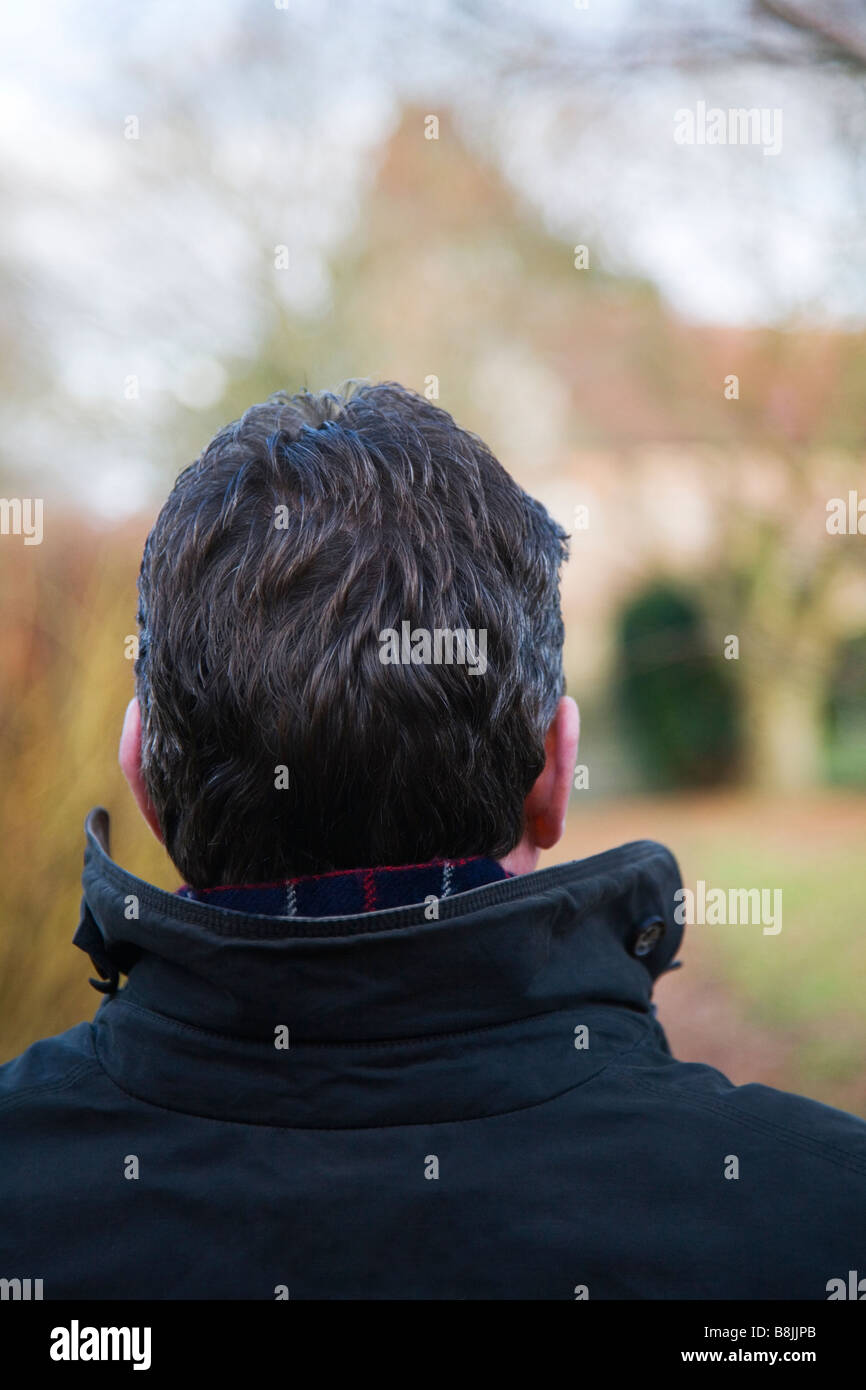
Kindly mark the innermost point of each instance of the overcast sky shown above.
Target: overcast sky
(260, 125)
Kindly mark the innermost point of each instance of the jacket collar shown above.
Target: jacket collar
(390, 1016)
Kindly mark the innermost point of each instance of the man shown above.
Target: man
(368, 1050)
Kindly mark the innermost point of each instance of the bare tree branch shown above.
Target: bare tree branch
(843, 43)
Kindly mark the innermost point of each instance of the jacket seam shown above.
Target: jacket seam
(26, 1092)
(768, 1128)
(181, 1025)
(347, 1129)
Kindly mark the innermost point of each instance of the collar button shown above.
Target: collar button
(647, 936)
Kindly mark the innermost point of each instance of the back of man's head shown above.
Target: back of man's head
(282, 733)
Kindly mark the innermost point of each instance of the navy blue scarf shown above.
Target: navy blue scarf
(353, 890)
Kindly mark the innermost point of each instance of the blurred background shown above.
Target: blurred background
(663, 341)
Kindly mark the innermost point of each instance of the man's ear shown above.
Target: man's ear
(546, 805)
(129, 757)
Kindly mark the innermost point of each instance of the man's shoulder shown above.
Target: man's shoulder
(49, 1068)
(699, 1100)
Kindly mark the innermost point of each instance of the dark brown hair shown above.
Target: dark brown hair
(303, 531)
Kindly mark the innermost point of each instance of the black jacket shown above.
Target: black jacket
(479, 1106)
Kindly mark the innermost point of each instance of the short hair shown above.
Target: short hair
(276, 740)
